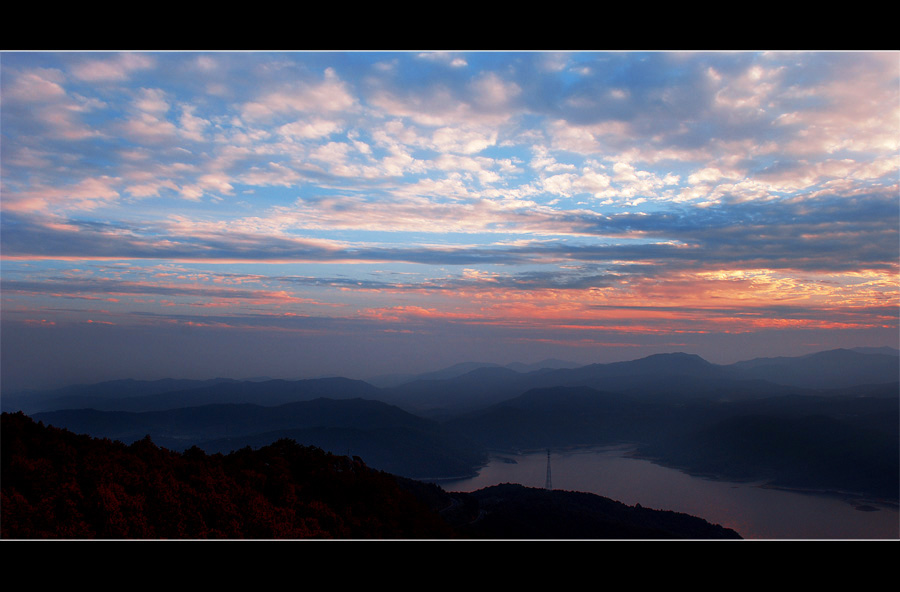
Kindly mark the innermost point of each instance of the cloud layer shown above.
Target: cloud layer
(576, 200)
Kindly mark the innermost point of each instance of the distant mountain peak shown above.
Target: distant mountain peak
(549, 363)
(672, 360)
(677, 355)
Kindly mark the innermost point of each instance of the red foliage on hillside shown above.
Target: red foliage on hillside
(56, 484)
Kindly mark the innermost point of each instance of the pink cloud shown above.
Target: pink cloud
(118, 67)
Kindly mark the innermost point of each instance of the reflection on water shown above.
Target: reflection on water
(751, 510)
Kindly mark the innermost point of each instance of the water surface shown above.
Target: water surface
(751, 509)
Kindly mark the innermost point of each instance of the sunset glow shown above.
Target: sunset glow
(310, 213)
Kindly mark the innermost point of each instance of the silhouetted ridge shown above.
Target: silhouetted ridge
(828, 369)
(192, 423)
(514, 511)
(60, 485)
(677, 364)
(671, 362)
(548, 364)
(57, 484)
(389, 437)
(170, 394)
(99, 395)
(455, 370)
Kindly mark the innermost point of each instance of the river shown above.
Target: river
(751, 509)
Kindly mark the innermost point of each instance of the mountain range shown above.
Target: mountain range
(827, 420)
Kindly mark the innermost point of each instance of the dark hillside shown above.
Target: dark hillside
(193, 424)
(515, 511)
(808, 451)
(405, 451)
(57, 484)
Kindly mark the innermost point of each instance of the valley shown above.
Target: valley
(768, 420)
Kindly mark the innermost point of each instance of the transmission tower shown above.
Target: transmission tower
(549, 484)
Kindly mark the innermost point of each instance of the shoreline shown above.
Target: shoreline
(861, 500)
(856, 498)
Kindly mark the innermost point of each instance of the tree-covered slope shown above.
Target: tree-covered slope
(514, 511)
(57, 484)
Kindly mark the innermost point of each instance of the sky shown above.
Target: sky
(302, 214)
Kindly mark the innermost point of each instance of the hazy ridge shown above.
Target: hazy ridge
(795, 431)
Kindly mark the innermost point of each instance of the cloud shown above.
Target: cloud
(117, 67)
(87, 194)
(582, 190)
(485, 100)
(462, 141)
(36, 86)
(309, 129)
(829, 234)
(451, 59)
(329, 95)
(35, 101)
(192, 127)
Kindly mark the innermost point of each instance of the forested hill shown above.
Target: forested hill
(57, 484)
